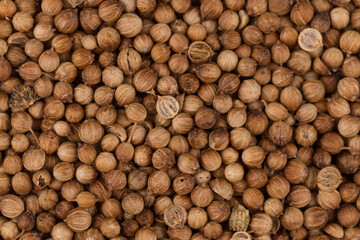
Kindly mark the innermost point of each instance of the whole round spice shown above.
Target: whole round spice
(164, 13)
(49, 61)
(15, 56)
(305, 135)
(334, 230)
(338, 107)
(210, 160)
(229, 40)
(202, 195)
(299, 62)
(178, 63)
(51, 8)
(129, 25)
(329, 200)
(197, 218)
(211, 9)
(63, 91)
(236, 117)
(158, 137)
(61, 43)
(292, 219)
(331, 38)
(124, 152)
(43, 32)
(270, 39)
(66, 71)
(9, 230)
(105, 162)
(180, 6)
(346, 164)
(295, 171)
(33, 159)
(280, 133)
(229, 83)
(207, 93)
(249, 91)
(3, 47)
(268, 21)
(350, 67)
(273, 207)
(349, 192)
(240, 138)
(340, 17)
(315, 218)
(261, 55)
(347, 44)
(71, 189)
(145, 79)
(205, 118)
(11, 206)
(280, 53)
(332, 142)
(67, 21)
(252, 35)
(82, 58)
(253, 199)
(124, 94)
(348, 88)
(90, 19)
(261, 223)
(135, 112)
(278, 187)
(145, 233)
(276, 111)
(207, 72)
(45, 222)
(21, 183)
(301, 13)
(5, 69)
(353, 144)
(167, 85)
(227, 60)
(289, 36)
(29, 71)
(8, 9)
(160, 53)
(22, 21)
(253, 156)
(86, 174)
(112, 76)
(143, 43)
(333, 58)
(133, 203)
(158, 182)
(348, 216)
(78, 220)
(6, 28)
(348, 126)
(62, 231)
(313, 90)
(110, 11)
(91, 131)
(108, 39)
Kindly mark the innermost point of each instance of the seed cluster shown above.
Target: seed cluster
(179, 119)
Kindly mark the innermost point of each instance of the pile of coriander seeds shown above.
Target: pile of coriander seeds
(179, 119)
